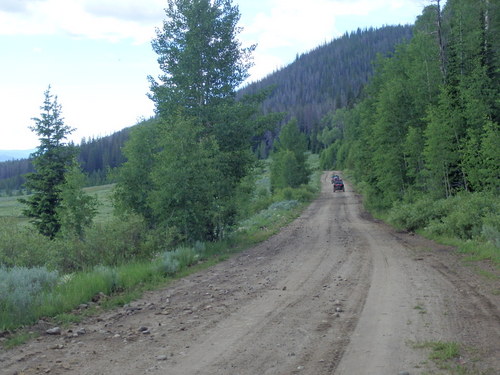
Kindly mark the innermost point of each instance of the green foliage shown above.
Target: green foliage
(470, 221)
(21, 246)
(173, 261)
(467, 216)
(419, 214)
(134, 177)
(20, 290)
(288, 167)
(187, 182)
(51, 161)
(169, 265)
(77, 209)
(201, 59)
(186, 174)
(112, 243)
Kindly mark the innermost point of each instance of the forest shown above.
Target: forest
(424, 138)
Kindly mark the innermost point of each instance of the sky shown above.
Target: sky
(96, 54)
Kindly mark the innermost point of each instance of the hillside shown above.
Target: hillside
(330, 76)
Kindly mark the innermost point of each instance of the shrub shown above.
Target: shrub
(168, 264)
(491, 229)
(109, 276)
(186, 256)
(21, 291)
(110, 244)
(467, 215)
(303, 194)
(417, 215)
(21, 246)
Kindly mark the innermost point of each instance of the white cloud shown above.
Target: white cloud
(18, 6)
(128, 10)
(299, 26)
(103, 19)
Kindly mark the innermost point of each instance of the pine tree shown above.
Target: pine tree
(51, 161)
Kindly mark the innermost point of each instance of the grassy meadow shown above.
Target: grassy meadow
(10, 208)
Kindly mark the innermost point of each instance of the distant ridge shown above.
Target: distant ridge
(6, 155)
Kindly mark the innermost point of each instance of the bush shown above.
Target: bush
(109, 244)
(468, 213)
(21, 291)
(168, 265)
(303, 194)
(465, 216)
(186, 256)
(417, 215)
(21, 246)
(491, 229)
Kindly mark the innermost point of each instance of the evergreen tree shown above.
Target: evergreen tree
(51, 161)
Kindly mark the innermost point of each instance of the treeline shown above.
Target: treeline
(97, 157)
(329, 77)
(428, 122)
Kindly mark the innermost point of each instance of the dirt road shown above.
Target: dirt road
(333, 293)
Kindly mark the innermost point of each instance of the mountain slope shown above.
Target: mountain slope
(328, 77)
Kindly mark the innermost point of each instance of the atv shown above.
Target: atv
(338, 186)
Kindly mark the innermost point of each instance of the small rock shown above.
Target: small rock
(403, 373)
(162, 357)
(53, 331)
(338, 309)
(143, 329)
(81, 331)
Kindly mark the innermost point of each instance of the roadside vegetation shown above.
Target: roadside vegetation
(120, 258)
(421, 143)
